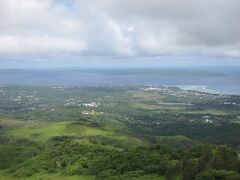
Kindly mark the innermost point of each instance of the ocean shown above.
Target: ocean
(225, 80)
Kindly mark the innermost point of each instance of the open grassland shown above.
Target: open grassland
(159, 107)
(45, 176)
(10, 123)
(46, 131)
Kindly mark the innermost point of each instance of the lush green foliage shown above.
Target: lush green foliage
(71, 156)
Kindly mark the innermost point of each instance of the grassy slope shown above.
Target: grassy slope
(44, 131)
(45, 176)
(42, 176)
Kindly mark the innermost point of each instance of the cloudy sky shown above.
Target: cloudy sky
(51, 33)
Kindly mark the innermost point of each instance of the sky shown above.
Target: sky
(119, 33)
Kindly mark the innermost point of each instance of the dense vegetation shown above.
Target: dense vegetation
(121, 132)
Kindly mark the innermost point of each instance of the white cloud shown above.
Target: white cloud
(123, 41)
(42, 44)
(184, 27)
(120, 27)
(37, 27)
